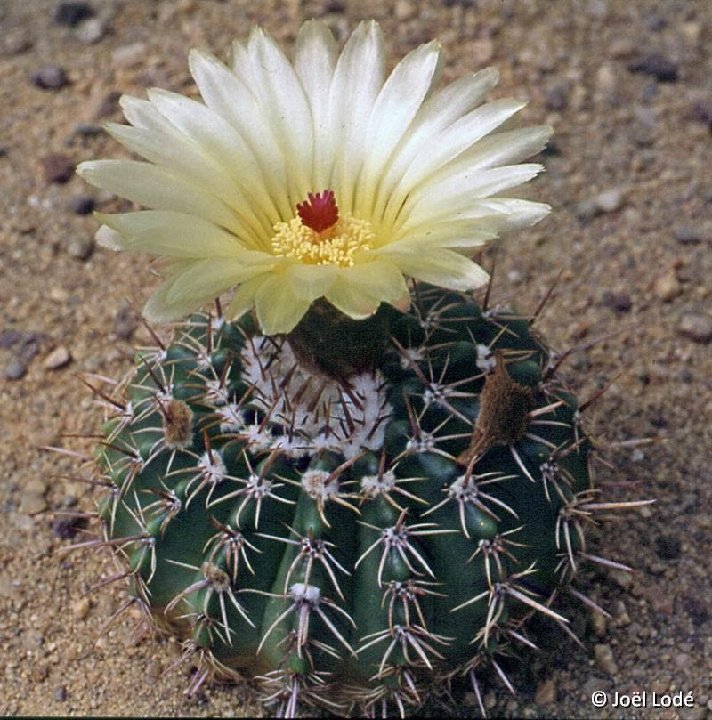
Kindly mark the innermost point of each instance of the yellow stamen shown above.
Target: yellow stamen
(334, 246)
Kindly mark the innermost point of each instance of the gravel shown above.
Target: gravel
(636, 131)
(50, 77)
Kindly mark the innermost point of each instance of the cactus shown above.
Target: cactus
(350, 532)
(354, 487)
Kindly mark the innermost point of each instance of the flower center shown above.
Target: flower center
(318, 236)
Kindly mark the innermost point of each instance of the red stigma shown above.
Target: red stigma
(319, 212)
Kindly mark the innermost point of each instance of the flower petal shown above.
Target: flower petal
(435, 115)
(434, 201)
(315, 62)
(285, 108)
(230, 96)
(310, 281)
(358, 78)
(236, 163)
(457, 138)
(190, 164)
(159, 188)
(444, 268)
(278, 307)
(360, 289)
(174, 234)
(393, 112)
(194, 284)
(352, 301)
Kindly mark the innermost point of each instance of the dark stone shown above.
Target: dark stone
(81, 204)
(125, 322)
(88, 129)
(557, 97)
(618, 301)
(8, 338)
(656, 65)
(668, 547)
(109, 105)
(60, 693)
(696, 608)
(687, 235)
(70, 14)
(66, 527)
(57, 168)
(656, 23)
(15, 370)
(701, 112)
(658, 420)
(27, 348)
(50, 77)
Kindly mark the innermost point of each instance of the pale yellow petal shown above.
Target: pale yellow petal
(444, 268)
(158, 188)
(194, 285)
(163, 232)
(278, 307)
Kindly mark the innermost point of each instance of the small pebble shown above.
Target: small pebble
(15, 41)
(557, 97)
(15, 370)
(57, 168)
(32, 503)
(127, 56)
(545, 693)
(621, 617)
(50, 77)
(404, 10)
(691, 32)
(701, 112)
(667, 287)
(66, 527)
(482, 50)
(81, 608)
(71, 14)
(600, 624)
(622, 578)
(125, 322)
(90, 31)
(610, 200)
(604, 658)
(108, 105)
(656, 65)
(81, 204)
(618, 301)
(60, 693)
(88, 129)
(81, 247)
(687, 235)
(57, 359)
(8, 338)
(668, 547)
(606, 79)
(696, 327)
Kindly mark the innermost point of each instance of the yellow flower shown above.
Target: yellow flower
(322, 178)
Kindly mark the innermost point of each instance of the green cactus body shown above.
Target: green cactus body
(348, 541)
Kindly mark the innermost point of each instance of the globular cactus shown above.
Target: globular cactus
(353, 533)
(354, 487)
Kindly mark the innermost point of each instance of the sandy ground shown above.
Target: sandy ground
(628, 177)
